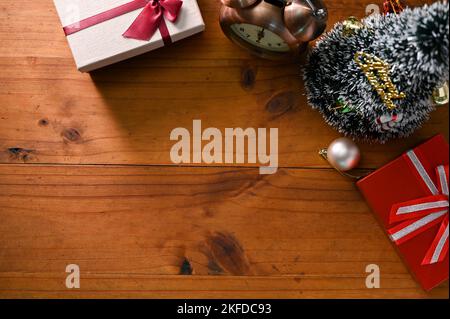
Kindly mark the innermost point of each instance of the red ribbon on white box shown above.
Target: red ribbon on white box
(144, 26)
(419, 215)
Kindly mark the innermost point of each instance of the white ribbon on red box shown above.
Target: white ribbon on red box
(419, 215)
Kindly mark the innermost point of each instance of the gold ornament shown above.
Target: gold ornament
(440, 95)
(377, 72)
(351, 25)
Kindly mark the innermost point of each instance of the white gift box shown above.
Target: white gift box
(103, 44)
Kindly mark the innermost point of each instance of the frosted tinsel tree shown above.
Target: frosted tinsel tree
(413, 47)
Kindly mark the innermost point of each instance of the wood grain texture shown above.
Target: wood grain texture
(86, 178)
(132, 230)
(124, 114)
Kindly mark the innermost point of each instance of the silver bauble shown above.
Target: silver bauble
(343, 154)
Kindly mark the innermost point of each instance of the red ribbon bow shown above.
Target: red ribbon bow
(152, 19)
(418, 215)
(144, 27)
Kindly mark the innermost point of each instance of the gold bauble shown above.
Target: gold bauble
(351, 25)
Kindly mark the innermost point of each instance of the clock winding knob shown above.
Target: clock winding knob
(306, 19)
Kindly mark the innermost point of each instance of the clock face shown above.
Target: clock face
(260, 37)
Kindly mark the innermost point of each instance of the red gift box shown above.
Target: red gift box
(410, 198)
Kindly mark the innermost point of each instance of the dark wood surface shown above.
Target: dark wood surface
(86, 177)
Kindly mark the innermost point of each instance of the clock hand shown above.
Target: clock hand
(261, 35)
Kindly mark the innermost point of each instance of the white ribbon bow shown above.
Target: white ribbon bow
(419, 215)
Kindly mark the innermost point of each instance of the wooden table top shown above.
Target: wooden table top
(86, 176)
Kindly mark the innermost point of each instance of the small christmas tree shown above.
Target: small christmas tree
(375, 81)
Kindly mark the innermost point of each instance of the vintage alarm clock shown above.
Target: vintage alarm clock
(273, 29)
